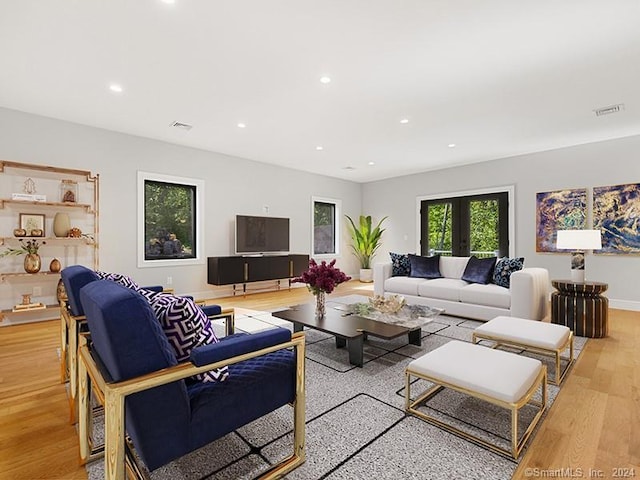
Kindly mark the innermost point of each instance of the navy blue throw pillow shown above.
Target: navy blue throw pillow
(479, 270)
(400, 266)
(504, 268)
(425, 267)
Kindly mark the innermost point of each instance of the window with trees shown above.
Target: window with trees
(171, 216)
(325, 231)
(466, 225)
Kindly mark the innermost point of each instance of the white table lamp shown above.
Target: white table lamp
(578, 241)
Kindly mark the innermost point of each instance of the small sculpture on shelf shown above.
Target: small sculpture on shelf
(55, 266)
(29, 186)
(26, 304)
(75, 232)
(69, 191)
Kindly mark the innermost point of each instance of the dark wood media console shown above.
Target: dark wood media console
(242, 270)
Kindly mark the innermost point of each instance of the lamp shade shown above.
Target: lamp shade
(579, 240)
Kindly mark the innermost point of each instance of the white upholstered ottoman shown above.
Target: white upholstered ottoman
(502, 378)
(540, 337)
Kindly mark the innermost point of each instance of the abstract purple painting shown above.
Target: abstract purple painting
(616, 213)
(559, 210)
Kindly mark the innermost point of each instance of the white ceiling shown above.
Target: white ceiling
(496, 77)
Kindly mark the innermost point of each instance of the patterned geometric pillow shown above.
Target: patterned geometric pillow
(504, 268)
(186, 327)
(118, 278)
(400, 266)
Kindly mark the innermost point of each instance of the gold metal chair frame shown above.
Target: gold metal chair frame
(559, 372)
(70, 328)
(516, 445)
(118, 461)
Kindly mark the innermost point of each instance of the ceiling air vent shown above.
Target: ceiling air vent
(609, 110)
(183, 126)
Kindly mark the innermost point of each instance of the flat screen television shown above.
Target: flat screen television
(258, 235)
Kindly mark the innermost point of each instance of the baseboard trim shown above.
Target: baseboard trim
(624, 305)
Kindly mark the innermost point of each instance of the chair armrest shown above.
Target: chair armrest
(238, 345)
(89, 364)
(381, 272)
(530, 293)
(211, 310)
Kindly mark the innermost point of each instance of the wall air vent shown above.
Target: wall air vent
(609, 110)
(183, 126)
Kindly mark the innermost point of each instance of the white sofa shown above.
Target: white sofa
(527, 296)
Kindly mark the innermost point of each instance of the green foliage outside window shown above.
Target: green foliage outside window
(169, 220)
(440, 228)
(484, 227)
(484, 233)
(324, 215)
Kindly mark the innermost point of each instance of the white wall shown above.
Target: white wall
(232, 186)
(597, 164)
(235, 185)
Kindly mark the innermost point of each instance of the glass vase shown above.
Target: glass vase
(32, 263)
(321, 307)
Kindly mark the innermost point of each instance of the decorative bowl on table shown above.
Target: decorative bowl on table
(390, 304)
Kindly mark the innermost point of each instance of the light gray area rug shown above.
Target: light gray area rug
(356, 426)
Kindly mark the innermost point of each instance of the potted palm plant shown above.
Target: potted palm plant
(366, 240)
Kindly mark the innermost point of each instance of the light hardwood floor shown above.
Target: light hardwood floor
(593, 425)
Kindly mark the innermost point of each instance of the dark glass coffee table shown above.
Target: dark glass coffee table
(351, 324)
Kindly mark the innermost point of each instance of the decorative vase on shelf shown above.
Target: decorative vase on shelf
(55, 265)
(32, 263)
(321, 308)
(61, 224)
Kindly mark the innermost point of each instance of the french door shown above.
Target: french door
(463, 226)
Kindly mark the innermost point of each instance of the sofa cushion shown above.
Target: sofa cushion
(490, 295)
(424, 267)
(479, 270)
(400, 265)
(186, 327)
(504, 268)
(453, 267)
(403, 285)
(442, 288)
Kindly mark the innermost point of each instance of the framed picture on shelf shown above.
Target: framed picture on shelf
(33, 224)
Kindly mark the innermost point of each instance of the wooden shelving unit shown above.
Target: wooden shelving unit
(46, 181)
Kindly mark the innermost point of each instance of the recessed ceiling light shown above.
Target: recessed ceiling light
(404, 121)
(114, 87)
(242, 125)
(371, 163)
(325, 79)
(452, 145)
(168, 2)
(319, 147)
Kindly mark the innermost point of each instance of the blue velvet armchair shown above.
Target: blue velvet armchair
(72, 322)
(129, 365)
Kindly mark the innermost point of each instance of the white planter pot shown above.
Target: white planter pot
(366, 275)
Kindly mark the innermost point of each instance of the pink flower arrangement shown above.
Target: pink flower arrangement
(323, 277)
